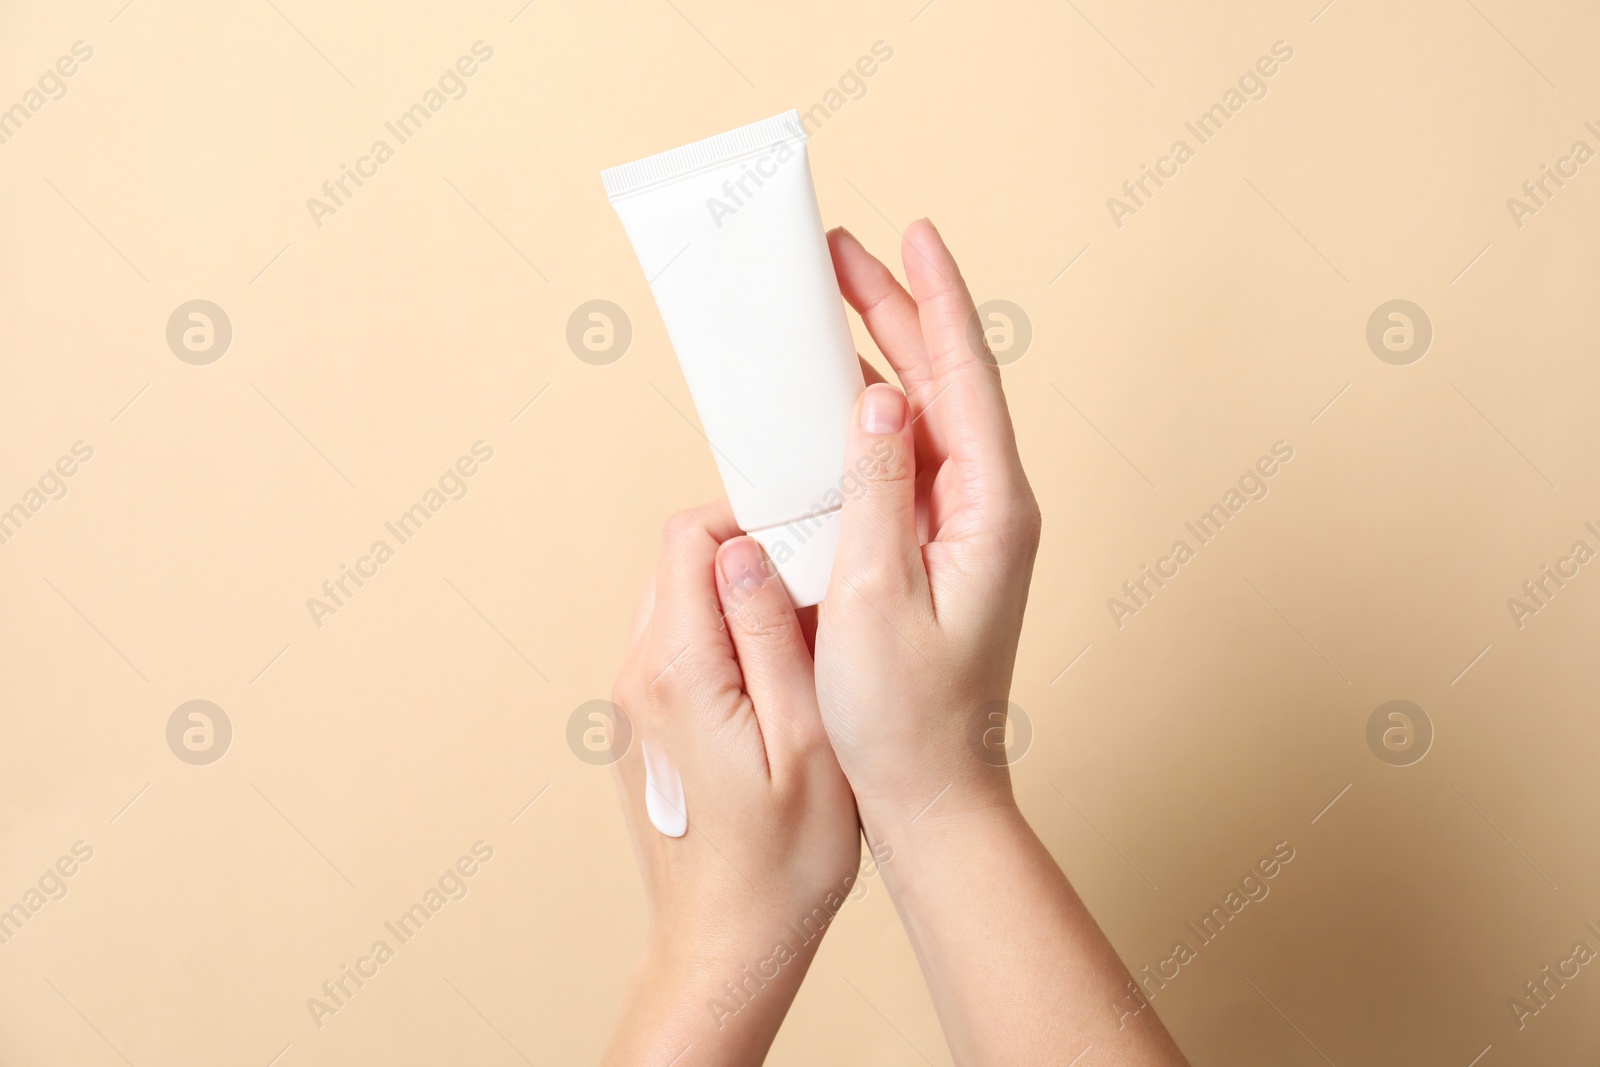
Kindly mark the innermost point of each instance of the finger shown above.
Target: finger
(770, 645)
(890, 315)
(971, 403)
(884, 306)
(685, 599)
(688, 662)
(716, 517)
(878, 543)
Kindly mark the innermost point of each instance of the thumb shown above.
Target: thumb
(878, 544)
(771, 646)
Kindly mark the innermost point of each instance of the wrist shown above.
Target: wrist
(962, 798)
(720, 933)
(730, 978)
(941, 845)
(710, 997)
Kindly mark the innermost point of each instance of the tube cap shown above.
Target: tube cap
(803, 552)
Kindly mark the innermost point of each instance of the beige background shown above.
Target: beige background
(1227, 314)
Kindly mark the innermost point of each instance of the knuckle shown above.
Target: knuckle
(665, 683)
(881, 585)
(766, 623)
(623, 693)
(661, 692)
(1028, 521)
(950, 301)
(881, 463)
(628, 690)
(1017, 516)
(680, 527)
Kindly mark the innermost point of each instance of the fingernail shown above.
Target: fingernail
(743, 563)
(883, 410)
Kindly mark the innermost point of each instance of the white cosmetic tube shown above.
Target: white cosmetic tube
(730, 237)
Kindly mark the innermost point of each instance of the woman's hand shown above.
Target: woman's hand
(916, 641)
(915, 647)
(718, 683)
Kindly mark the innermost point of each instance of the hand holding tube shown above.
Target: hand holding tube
(718, 682)
(916, 639)
(915, 645)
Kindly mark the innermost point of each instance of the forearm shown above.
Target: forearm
(1019, 971)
